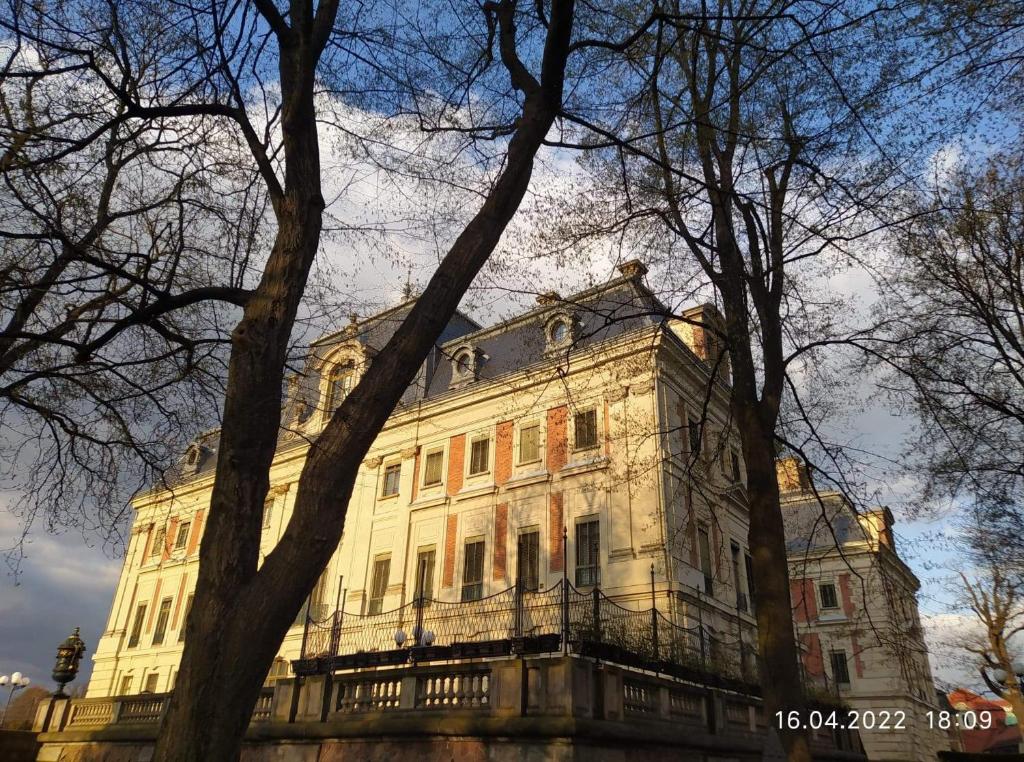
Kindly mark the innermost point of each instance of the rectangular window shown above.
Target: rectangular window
(529, 560)
(425, 575)
(704, 546)
(693, 433)
(473, 571)
(140, 619)
(379, 584)
(585, 429)
(748, 562)
(317, 599)
(737, 577)
(268, 511)
(182, 539)
(829, 599)
(432, 468)
(184, 618)
(588, 553)
(163, 615)
(529, 444)
(152, 680)
(159, 542)
(392, 477)
(840, 669)
(480, 457)
(735, 458)
(126, 685)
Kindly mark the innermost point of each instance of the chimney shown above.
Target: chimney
(791, 473)
(703, 330)
(633, 269)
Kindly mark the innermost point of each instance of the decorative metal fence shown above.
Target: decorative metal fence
(517, 620)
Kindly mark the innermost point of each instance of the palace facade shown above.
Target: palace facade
(582, 446)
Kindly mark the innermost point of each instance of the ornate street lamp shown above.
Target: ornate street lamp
(69, 654)
(17, 681)
(997, 684)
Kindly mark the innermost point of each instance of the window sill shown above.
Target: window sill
(428, 502)
(582, 466)
(476, 491)
(530, 477)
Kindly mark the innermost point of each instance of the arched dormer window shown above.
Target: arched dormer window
(340, 381)
(466, 363)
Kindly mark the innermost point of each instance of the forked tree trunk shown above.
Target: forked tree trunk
(240, 615)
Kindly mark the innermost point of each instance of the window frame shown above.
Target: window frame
(427, 592)
(840, 652)
(153, 677)
(184, 616)
(375, 603)
(473, 589)
(159, 543)
(440, 451)
(587, 574)
(331, 400)
(576, 446)
(138, 624)
(520, 459)
(393, 467)
(124, 688)
(163, 619)
(704, 555)
(835, 596)
(268, 510)
(532, 560)
(473, 442)
(181, 538)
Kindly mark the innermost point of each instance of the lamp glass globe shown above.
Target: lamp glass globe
(25, 681)
(4, 679)
(16, 678)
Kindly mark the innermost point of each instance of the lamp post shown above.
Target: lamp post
(997, 683)
(69, 654)
(17, 681)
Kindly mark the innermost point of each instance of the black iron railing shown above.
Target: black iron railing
(518, 620)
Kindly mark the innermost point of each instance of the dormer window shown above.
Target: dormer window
(560, 331)
(193, 458)
(466, 363)
(339, 383)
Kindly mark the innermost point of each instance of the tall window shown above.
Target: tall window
(433, 465)
(829, 599)
(392, 478)
(268, 511)
(162, 617)
(340, 383)
(693, 433)
(840, 669)
(184, 618)
(529, 559)
(425, 575)
(126, 685)
(317, 603)
(585, 429)
(152, 680)
(529, 444)
(704, 547)
(737, 577)
(159, 542)
(379, 584)
(473, 571)
(181, 540)
(748, 562)
(480, 457)
(735, 462)
(588, 553)
(140, 619)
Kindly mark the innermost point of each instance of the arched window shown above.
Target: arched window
(340, 383)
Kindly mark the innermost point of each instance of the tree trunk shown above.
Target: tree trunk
(240, 615)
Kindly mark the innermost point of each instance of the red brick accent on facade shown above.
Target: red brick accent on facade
(456, 454)
(858, 663)
(814, 661)
(805, 607)
(555, 524)
(500, 539)
(449, 550)
(847, 593)
(503, 452)
(177, 602)
(154, 604)
(169, 539)
(557, 446)
(197, 531)
(416, 475)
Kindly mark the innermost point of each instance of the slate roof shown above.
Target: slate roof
(812, 525)
(601, 313)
